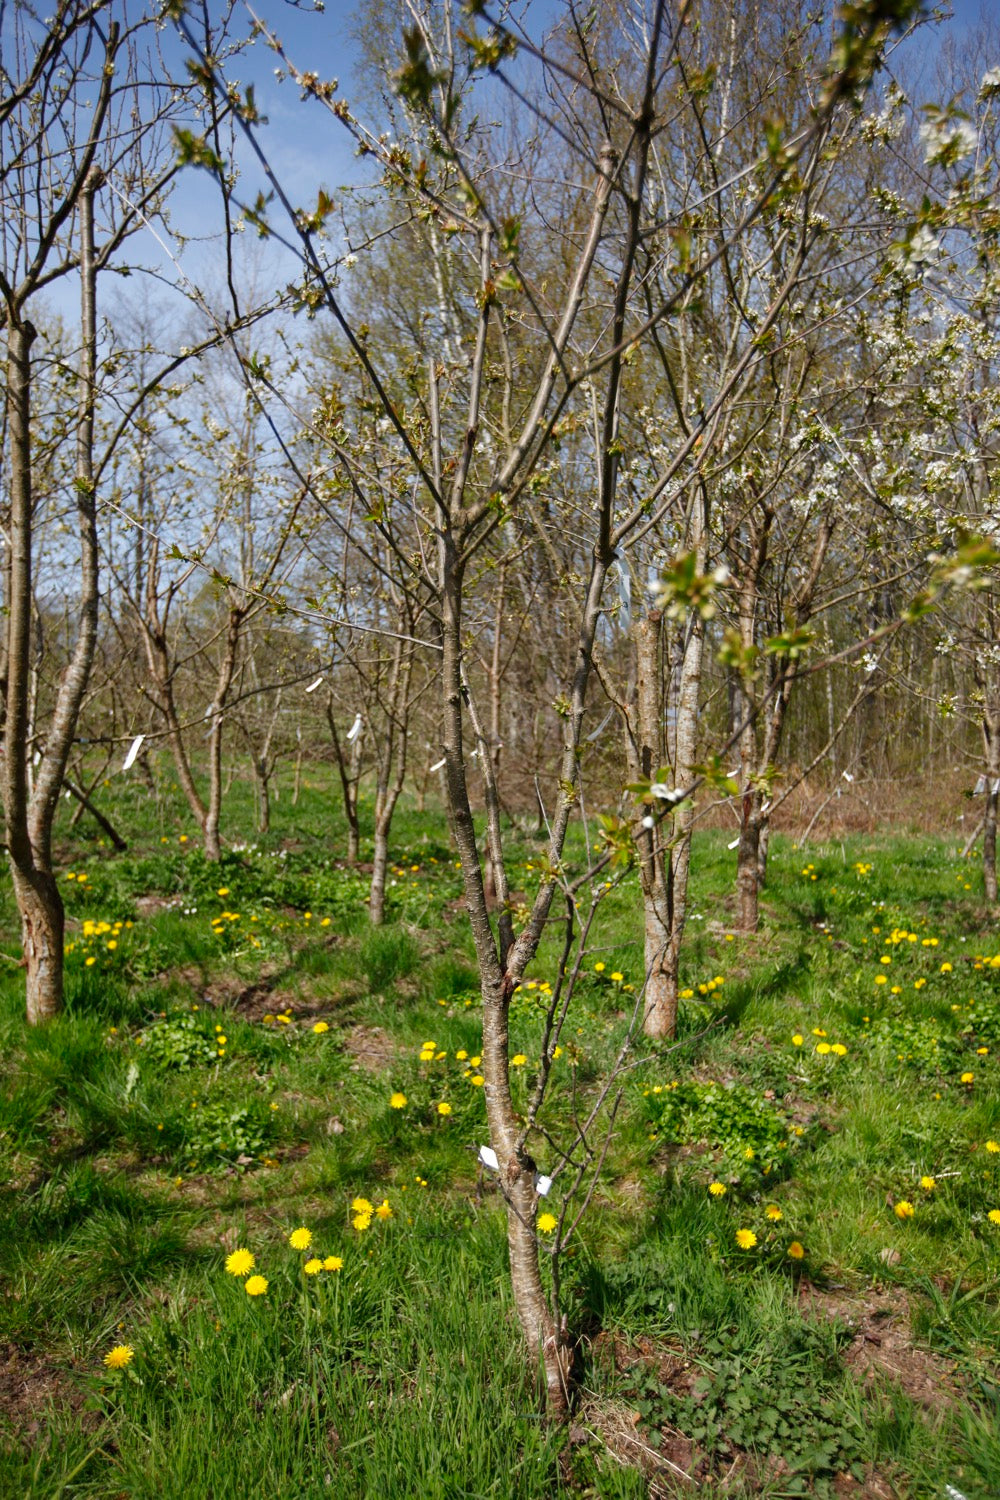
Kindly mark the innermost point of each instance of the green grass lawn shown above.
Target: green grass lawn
(785, 1283)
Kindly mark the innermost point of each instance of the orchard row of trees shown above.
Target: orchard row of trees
(625, 443)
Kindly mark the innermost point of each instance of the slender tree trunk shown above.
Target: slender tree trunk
(264, 795)
(349, 771)
(761, 738)
(542, 1334)
(351, 804)
(763, 842)
(38, 901)
(990, 844)
(29, 820)
(646, 754)
(159, 670)
(747, 864)
(386, 798)
(391, 769)
(495, 679)
(213, 812)
(684, 697)
(297, 780)
(991, 743)
(748, 850)
(380, 861)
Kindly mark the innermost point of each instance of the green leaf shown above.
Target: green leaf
(194, 151)
(792, 643)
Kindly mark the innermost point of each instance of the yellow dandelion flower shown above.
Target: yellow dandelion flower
(796, 1251)
(397, 1101)
(599, 968)
(717, 1189)
(444, 1108)
(994, 1215)
(313, 1267)
(880, 979)
(993, 1147)
(928, 1184)
(333, 1263)
(946, 968)
(300, 1239)
(240, 1262)
(462, 1055)
(547, 1222)
(967, 1078)
(838, 1049)
(320, 1027)
(823, 1048)
(797, 1040)
(255, 1286)
(477, 1080)
(746, 1239)
(120, 1356)
(774, 1213)
(518, 1060)
(474, 1062)
(362, 1222)
(384, 1211)
(903, 1209)
(617, 976)
(361, 1206)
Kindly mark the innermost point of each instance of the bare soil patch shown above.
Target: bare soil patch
(371, 1047)
(30, 1385)
(882, 1347)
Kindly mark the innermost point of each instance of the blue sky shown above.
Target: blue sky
(307, 147)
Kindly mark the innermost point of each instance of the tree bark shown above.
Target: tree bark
(391, 772)
(646, 755)
(991, 744)
(213, 812)
(264, 794)
(157, 659)
(29, 818)
(380, 861)
(349, 770)
(517, 1169)
(747, 864)
(39, 904)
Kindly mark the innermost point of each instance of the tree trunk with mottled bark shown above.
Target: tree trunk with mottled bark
(991, 744)
(646, 753)
(29, 817)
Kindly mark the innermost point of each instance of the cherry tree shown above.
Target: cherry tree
(531, 347)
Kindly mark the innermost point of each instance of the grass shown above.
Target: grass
(222, 1076)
